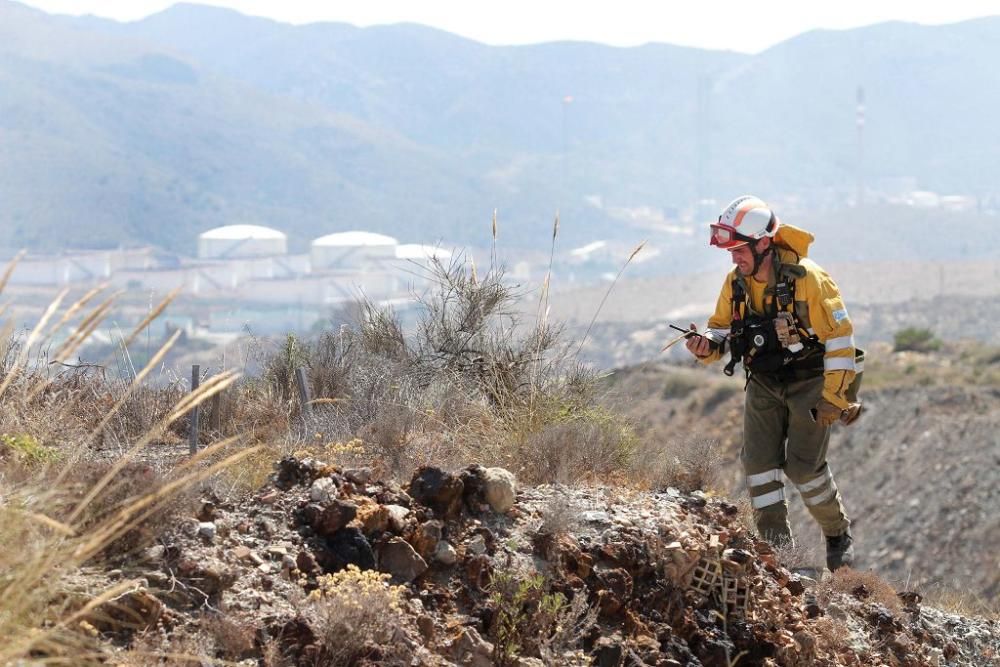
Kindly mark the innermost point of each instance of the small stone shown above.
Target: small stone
(426, 537)
(276, 551)
(476, 546)
(206, 529)
(287, 562)
(242, 552)
(359, 476)
(400, 560)
(264, 567)
(445, 554)
(470, 649)
(306, 562)
(426, 626)
(270, 497)
(320, 491)
(500, 489)
(397, 517)
(154, 554)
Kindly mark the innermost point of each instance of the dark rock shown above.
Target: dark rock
(309, 514)
(437, 489)
(608, 652)
(207, 511)
(347, 546)
(306, 562)
(795, 586)
(477, 570)
(425, 624)
(335, 516)
(474, 488)
(290, 473)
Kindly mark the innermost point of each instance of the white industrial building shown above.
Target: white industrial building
(351, 251)
(241, 241)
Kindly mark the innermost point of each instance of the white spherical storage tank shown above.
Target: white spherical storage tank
(235, 241)
(351, 250)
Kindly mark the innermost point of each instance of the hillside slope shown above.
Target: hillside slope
(150, 131)
(918, 473)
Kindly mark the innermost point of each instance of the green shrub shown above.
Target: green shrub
(26, 448)
(914, 339)
(679, 385)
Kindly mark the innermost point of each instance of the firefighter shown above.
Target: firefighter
(782, 318)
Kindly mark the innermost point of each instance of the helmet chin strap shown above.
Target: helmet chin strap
(759, 257)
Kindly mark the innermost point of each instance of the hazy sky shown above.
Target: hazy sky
(739, 25)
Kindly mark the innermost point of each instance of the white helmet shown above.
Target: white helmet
(745, 220)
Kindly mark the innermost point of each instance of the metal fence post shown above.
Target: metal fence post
(304, 396)
(193, 433)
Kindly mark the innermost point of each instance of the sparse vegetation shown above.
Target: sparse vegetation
(914, 339)
(358, 614)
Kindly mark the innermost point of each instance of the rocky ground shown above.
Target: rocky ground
(919, 472)
(477, 572)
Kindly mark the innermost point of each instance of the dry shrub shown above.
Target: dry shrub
(559, 516)
(470, 384)
(234, 640)
(961, 600)
(830, 634)
(863, 585)
(180, 649)
(358, 614)
(687, 464)
(591, 445)
(796, 554)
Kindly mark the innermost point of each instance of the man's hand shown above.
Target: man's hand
(697, 345)
(827, 413)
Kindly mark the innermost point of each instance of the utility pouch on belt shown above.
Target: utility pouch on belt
(859, 368)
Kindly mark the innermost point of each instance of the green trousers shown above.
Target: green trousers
(780, 439)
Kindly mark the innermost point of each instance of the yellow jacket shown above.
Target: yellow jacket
(819, 307)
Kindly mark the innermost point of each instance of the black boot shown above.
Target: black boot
(840, 551)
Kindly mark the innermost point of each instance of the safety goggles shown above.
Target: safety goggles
(724, 236)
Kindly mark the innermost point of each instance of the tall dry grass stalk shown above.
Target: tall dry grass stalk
(48, 532)
(604, 299)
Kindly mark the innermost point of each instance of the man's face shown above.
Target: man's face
(743, 259)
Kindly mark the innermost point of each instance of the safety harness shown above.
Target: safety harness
(753, 337)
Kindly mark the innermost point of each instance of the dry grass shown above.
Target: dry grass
(687, 464)
(61, 508)
(863, 585)
(960, 600)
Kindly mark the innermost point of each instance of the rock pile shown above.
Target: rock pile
(481, 573)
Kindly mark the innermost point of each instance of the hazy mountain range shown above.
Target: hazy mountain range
(195, 117)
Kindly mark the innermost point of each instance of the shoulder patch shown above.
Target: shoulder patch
(840, 315)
